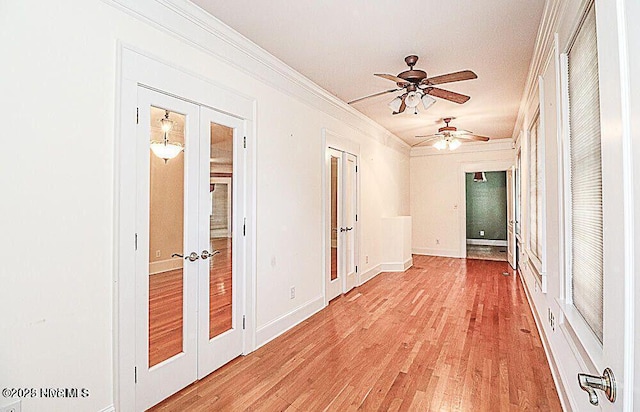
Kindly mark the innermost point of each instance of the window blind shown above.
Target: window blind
(586, 175)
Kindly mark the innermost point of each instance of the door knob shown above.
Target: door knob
(342, 230)
(605, 383)
(205, 254)
(193, 256)
(348, 229)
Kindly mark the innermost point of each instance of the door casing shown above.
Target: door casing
(140, 69)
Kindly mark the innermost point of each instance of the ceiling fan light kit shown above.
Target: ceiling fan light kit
(449, 137)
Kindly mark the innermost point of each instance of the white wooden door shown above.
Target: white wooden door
(335, 272)
(166, 285)
(349, 220)
(221, 270)
(511, 219)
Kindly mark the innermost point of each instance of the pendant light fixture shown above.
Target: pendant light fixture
(165, 149)
(479, 177)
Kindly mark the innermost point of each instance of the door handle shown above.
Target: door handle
(342, 230)
(205, 254)
(348, 229)
(605, 383)
(193, 256)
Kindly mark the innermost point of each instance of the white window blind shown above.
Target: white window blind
(535, 190)
(586, 175)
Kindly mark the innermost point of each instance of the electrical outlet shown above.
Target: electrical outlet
(482, 233)
(15, 406)
(157, 253)
(293, 292)
(366, 259)
(437, 241)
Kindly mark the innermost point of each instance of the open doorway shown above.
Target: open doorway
(486, 215)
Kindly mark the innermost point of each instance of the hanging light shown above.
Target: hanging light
(440, 144)
(454, 144)
(412, 100)
(395, 104)
(479, 177)
(427, 101)
(165, 149)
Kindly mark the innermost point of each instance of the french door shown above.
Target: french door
(189, 283)
(511, 217)
(341, 275)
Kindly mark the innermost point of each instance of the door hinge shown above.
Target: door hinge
(244, 322)
(137, 115)
(245, 142)
(135, 374)
(244, 227)
(136, 241)
(356, 268)
(356, 168)
(356, 217)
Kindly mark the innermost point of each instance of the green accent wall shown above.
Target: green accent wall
(487, 206)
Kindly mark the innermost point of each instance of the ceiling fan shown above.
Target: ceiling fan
(449, 137)
(417, 87)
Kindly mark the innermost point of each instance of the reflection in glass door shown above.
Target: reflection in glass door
(166, 283)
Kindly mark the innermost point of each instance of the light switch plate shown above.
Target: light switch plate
(14, 406)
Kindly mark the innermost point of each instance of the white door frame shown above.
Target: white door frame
(471, 167)
(332, 140)
(135, 69)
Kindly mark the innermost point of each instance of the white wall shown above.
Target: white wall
(57, 213)
(438, 193)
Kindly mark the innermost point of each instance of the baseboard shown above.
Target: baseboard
(370, 274)
(486, 242)
(396, 266)
(287, 321)
(454, 253)
(109, 408)
(553, 366)
(164, 265)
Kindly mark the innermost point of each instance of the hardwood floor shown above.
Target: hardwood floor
(446, 335)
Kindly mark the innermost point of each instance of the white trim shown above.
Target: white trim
(192, 25)
(369, 274)
(134, 69)
(487, 242)
(436, 252)
(109, 408)
(166, 265)
(281, 324)
(470, 147)
(396, 266)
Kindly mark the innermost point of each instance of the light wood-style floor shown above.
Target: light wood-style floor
(447, 335)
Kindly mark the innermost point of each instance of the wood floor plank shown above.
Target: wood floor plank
(446, 335)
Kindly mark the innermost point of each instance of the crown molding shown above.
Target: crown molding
(542, 55)
(471, 147)
(192, 25)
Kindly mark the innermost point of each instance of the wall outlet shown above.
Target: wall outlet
(157, 253)
(552, 320)
(482, 233)
(366, 259)
(293, 292)
(15, 406)
(437, 241)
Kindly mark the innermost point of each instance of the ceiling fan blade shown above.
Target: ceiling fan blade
(473, 137)
(428, 139)
(447, 95)
(451, 77)
(373, 95)
(403, 105)
(391, 77)
(429, 136)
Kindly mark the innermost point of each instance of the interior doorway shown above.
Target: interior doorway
(341, 193)
(190, 301)
(486, 215)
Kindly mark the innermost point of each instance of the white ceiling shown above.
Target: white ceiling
(339, 44)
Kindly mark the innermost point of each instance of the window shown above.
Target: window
(535, 192)
(585, 176)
